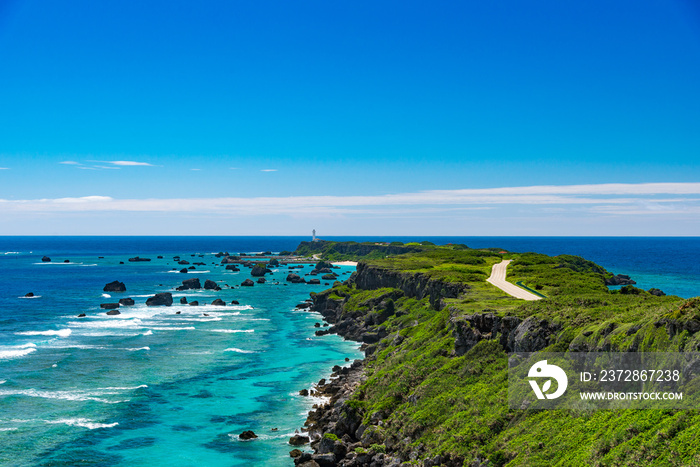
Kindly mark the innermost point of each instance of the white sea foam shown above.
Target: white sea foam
(173, 328)
(33, 296)
(15, 353)
(138, 348)
(190, 271)
(59, 333)
(8, 429)
(96, 395)
(13, 253)
(81, 422)
(148, 333)
(106, 295)
(231, 331)
(233, 349)
(3, 381)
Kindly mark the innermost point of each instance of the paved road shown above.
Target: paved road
(498, 278)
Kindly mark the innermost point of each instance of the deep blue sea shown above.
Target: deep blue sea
(154, 387)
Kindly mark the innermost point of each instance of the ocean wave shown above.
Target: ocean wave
(233, 349)
(190, 271)
(173, 328)
(106, 295)
(81, 422)
(15, 353)
(138, 348)
(33, 296)
(231, 331)
(96, 395)
(59, 333)
(148, 333)
(9, 429)
(13, 253)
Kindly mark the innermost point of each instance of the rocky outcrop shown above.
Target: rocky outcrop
(194, 303)
(218, 302)
(160, 299)
(183, 300)
(109, 306)
(232, 267)
(230, 259)
(259, 270)
(514, 334)
(314, 282)
(247, 283)
(137, 259)
(126, 302)
(211, 285)
(412, 285)
(46, 259)
(113, 312)
(114, 286)
(190, 284)
(248, 434)
(295, 279)
(620, 279)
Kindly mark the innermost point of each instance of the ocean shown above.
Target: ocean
(174, 386)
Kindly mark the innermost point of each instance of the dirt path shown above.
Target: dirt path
(498, 278)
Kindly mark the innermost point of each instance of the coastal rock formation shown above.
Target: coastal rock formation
(247, 283)
(137, 259)
(211, 285)
(29, 295)
(273, 263)
(114, 312)
(160, 299)
(314, 282)
(184, 271)
(298, 440)
(328, 277)
(190, 284)
(259, 270)
(194, 303)
(109, 306)
(230, 259)
(295, 279)
(261, 280)
(218, 302)
(114, 286)
(183, 301)
(248, 434)
(620, 279)
(232, 267)
(46, 259)
(126, 302)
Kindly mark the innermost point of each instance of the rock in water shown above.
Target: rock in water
(259, 270)
(295, 279)
(183, 270)
(232, 267)
(247, 283)
(314, 282)
(248, 434)
(137, 259)
(210, 285)
(160, 299)
(30, 294)
(218, 302)
(114, 312)
(190, 284)
(194, 303)
(115, 286)
(109, 306)
(46, 259)
(261, 280)
(183, 301)
(298, 440)
(126, 301)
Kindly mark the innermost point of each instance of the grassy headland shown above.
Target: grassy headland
(433, 389)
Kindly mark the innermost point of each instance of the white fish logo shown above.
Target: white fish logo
(542, 370)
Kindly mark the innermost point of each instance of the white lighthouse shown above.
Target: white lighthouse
(313, 236)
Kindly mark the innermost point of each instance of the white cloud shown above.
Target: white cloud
(70, 163)
(196, 170)
(269, 170)
(4, 168)
(608, 199)
(127, 163)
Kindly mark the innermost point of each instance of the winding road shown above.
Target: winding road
(498, 278)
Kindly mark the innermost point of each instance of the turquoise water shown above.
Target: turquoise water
(153, 387)
(149, 386)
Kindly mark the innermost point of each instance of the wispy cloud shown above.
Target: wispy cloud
(4, 168)
(70, 163)
(268, 170)
(607, 199)
(129, 163)
(196, 170)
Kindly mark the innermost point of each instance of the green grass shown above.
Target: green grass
(458, 405)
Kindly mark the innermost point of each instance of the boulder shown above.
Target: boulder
(210, 285)
(230, 259)
(184, 271)
(232, 267)
(82, 315)
(294, 453)
(234, 302)
(137, 259)
(323, 271)
(259, 270)
(248, 434)
(109, 306)
(620, 279)
(183, 262)
(298, 440)
(328, 277)
(304, 392)
(183, 301)
(113, 312)
(189, 284)
(273, 263)
(126, 302)
(115, 286)
(247, 283)
(295, 279)
(194, 303)
(46, 259)
(657, 292)
(261, 280)
(314, 282)
(218, 302)
(160, 299)
(30, 294)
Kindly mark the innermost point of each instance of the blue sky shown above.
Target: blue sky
(354, 118)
